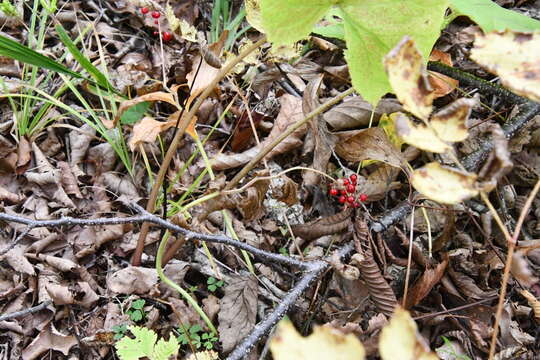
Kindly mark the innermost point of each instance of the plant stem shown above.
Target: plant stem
(182, 126)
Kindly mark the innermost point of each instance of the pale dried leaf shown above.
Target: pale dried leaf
(444, 184)
(521, 269)
(370, 144)
(49, 339)
(324, 343)
(533, 302)
(513, 56)
(420, 136)
(442, 85)
(238, 310)
(132, 280)
(424, 284)
(400, 339)
(450, 123)
(408, 76)
(147, 130)
(380, 182)
(355, 112)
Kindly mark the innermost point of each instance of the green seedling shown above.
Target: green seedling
(214, 284)
(119, 331)
(450, 350)
(195, 336)
(8, 8)
(136, 311)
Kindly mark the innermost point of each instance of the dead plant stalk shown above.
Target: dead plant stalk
(512, 241)
(182, 126)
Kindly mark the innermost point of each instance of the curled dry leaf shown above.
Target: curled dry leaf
(132, 280)
(147, 130)
(381, 293)
(444, 184)
(467, 286)
(370, 144)
(421, 136)
(79, 293)
(49, 339)
(498, 163)
(238, 310)
(424, 284)
(400, 339)
(355, 112)
(251, 204)
(408, 76)
(513, 56)
(380, 182)
(521, 269)
(442, 84)
(324, 343)
(324, 226)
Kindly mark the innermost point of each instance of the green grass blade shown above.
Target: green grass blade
(14, 50)
(82, 59)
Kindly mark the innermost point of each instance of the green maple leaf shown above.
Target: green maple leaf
(287, 21)
(490, 16)
(144, 345)
(373, 28)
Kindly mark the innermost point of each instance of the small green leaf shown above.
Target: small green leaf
(212, 288)
(336, 31)
(287, 21)
(490, 16)
(136, 315)
(134, 113)
(138, 304)
(195, 328)
(211, 280)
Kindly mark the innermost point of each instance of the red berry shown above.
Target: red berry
(353, 178)
(343, 192)
(350, 199)
(351, 188)
(356, 204)
(156, 33)
(363, 197)
(342, 199)
(156, 14)
(346, 182)
(156, 22)
(167, 36)
(333, 192)
(144, 10)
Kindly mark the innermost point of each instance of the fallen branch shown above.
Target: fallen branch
(24, 312)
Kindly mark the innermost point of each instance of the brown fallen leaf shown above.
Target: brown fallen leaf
(380, 181)
(155, 96)
(424, 284)
(521, 269)
(355, 112)
(498, 163)
(79, 293)
(370, 144)
(132, 280)
(147, 130)
(442, 85)
(49, 339)
(467, 286)
(24, 155)
(290, 113)
(450, 123)
(324, 226)
(533, 302)
(238, 310)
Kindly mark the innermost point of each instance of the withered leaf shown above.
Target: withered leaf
(370, 144)
(408, 76)
(238, 310)
(450, 123)
(513, 56)
(420, 136)
(498, 163)
(444, 184)
(424, 284)
(147, 130)
(132, 280)
(380, 181)
(355, 112)
(154, 96)
(49, 338)
(442, 85)
(324, 226)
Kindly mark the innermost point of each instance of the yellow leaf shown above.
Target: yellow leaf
(388, 124)
(444, 184)
(325, 343)
(204, 355)
(514, 57)
(253, 14)
(400, 340)
(450, 123)
(418, 135)
(409, 78)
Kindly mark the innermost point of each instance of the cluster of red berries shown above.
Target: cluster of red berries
(345, 189)
(167, 36)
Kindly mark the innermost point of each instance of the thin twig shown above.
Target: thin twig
(24, 312)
